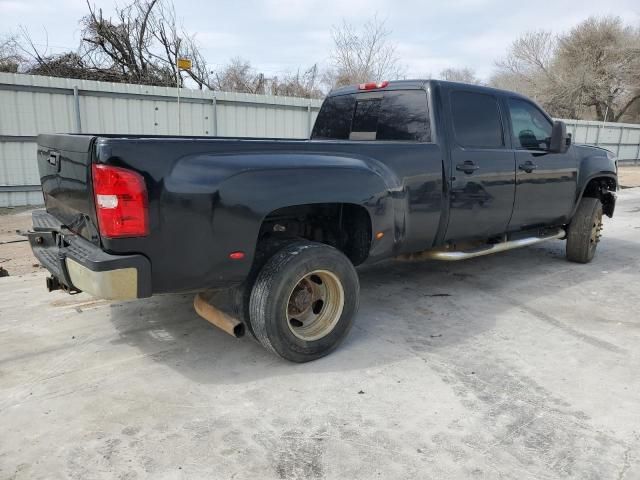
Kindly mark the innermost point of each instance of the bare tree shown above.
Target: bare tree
(11, 60)
(200, 71)
(38, 61)
(464, 75)
(509, 81)
(143, 44)
(140, 43)
(529, 64)
(593, 71)
(600, 59)
(530, 54)
(121, 45)
(174, 43)
(363, 55)
(305, 84)
(531, 68)
(239, 76)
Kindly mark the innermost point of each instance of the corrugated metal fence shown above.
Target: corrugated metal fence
(623, 139)
(30, 105)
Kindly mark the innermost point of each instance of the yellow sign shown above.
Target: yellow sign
(184, 64)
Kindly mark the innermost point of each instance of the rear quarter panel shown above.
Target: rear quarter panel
(225, 210)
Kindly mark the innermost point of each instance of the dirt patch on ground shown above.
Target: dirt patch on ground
(15, 254)
(629, 176)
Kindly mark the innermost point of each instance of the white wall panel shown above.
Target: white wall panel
(623, 139)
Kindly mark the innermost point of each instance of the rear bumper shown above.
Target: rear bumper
(79, 265)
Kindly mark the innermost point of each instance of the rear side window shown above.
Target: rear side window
(334, 118)
(405, 116)
(476, 120)
(394, 115)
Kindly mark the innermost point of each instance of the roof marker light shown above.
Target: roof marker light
(373, 85)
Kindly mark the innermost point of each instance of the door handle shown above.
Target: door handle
(467, 167)
(528, 166)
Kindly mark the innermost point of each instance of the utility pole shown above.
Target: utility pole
(181, 64)
(178, 81)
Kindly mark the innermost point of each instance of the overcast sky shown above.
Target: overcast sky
(277, 36)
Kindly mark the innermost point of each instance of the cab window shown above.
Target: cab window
(531, 128)
(476, 120)
(401, 115)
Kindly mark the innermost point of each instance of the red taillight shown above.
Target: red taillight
(373, 85)
(121, 202)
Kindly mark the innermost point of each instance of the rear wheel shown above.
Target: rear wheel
(584, 231)
(242, 293)
(303, 301)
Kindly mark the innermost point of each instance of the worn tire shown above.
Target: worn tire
(242, 293)
(583, 233)
(270, 299)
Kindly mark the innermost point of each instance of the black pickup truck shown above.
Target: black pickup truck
(449, 170)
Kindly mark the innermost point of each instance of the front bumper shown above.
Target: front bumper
(78, 265)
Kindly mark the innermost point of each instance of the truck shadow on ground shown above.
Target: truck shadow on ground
(406, 309)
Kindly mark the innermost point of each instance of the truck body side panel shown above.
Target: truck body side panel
(208, 197)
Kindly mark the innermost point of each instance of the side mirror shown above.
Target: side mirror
(560, 141)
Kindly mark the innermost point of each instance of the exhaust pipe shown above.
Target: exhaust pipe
(217, 317)
(451, 255)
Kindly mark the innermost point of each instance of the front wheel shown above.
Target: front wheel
(584, 231)
(303, 301)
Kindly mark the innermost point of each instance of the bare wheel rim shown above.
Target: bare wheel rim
(315, 305)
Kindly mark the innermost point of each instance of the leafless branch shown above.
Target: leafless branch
(365, 55)
(592, 71)
(464, 75)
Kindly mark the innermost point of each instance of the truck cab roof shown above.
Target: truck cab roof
(416, 84)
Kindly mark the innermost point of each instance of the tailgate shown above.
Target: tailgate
(64, 164)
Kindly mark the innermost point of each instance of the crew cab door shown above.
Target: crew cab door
(482, 168)
(546, 182)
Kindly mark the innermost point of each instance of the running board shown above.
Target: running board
(454, 255)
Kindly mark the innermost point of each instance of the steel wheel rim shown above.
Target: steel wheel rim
(315, 305)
